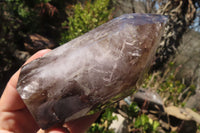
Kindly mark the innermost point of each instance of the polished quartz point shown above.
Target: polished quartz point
(91, 71)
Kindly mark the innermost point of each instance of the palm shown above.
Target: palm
(19, 121)
(14, 115)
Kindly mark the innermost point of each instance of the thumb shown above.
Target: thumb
(55, 129)
(58, 130)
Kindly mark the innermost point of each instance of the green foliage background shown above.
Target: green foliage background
(63, 22)
(85, 18)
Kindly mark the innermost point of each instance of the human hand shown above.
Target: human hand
(15, 117)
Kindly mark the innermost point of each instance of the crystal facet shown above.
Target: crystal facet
(91, 71)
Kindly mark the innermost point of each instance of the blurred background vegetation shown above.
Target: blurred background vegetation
(167, 101)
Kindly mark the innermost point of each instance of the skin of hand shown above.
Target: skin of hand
(15, 117)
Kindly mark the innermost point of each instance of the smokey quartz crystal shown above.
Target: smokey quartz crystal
(91, 71)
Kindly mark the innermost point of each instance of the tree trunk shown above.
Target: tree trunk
(181, 14)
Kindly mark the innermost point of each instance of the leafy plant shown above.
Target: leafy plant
(102, 126)
(139, 123)
(85, 17)
(170, 89)
(145, 125)
(131, 110)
